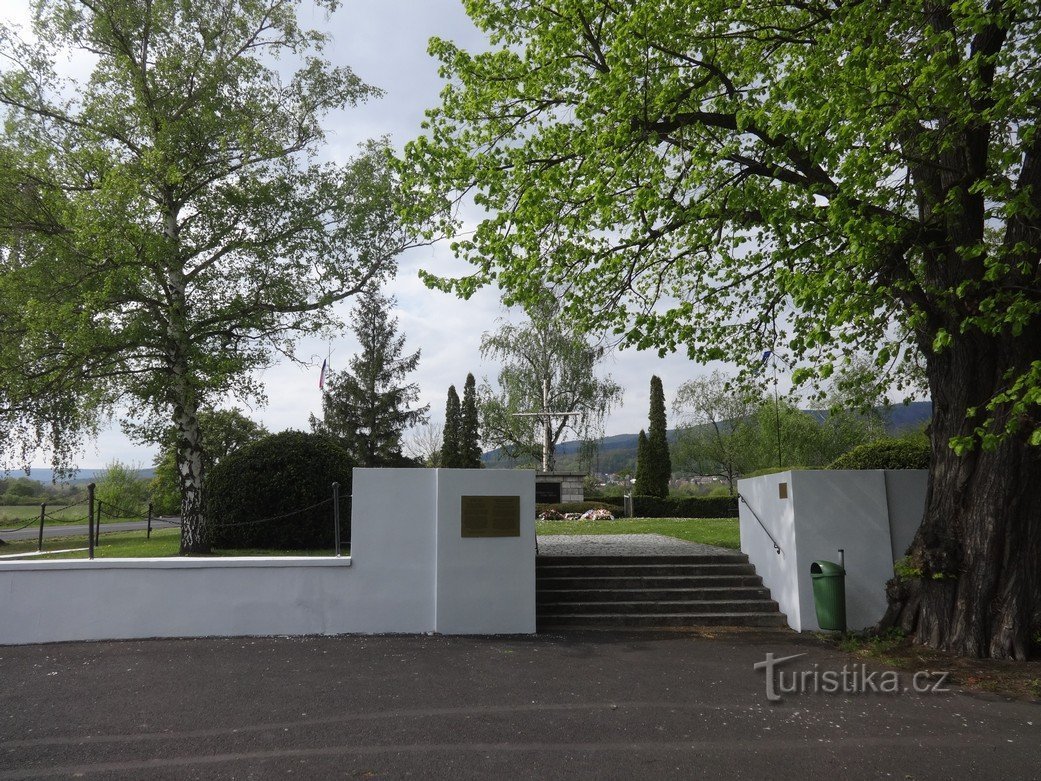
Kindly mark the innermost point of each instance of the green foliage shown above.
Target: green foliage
(452, 435)
(729, 434)
(223, 432)
(905, 453)
(659, 468)
(469, 427)
(678, 507)
(122, 491)
(367, 407)
(643, 484)
(166, 226)
(681, 173)
(547, 364)
(278, 475)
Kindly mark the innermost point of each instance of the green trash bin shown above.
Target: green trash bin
(829, 594)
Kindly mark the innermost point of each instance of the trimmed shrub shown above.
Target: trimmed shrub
(886, 454)
(685, 507)
(279, 475)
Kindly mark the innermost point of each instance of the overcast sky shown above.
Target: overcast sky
(385, 42)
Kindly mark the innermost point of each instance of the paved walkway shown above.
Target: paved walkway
(621, 545)
(599, 705)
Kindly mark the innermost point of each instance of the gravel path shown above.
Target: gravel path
(620, 544)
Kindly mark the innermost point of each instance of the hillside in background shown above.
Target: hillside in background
(83, 476)
(618, 452)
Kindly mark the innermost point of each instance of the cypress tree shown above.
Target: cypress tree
(642, 487)
(453, 424)
(469, 433)
(659, 462)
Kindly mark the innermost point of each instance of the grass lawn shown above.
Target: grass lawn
(134, 545)
(723, 532)
(18, 515)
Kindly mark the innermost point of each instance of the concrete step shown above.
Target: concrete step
(553, 583)
(551, 560)
(638, 607)
(652, 620)
(552, 596)
(621, 570)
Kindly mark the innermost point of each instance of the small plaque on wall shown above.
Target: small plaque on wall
(491, 516)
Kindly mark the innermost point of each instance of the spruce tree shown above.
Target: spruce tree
(366, 407)
(659, 462)
(642, 486)
(469, 433)
(453, 425)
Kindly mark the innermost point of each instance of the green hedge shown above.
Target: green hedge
(886, 454)
(678, 507)
(279, 475)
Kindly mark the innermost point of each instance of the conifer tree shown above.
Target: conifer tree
(367, 406)
(453, 428)
(659, 464)
(469, 432)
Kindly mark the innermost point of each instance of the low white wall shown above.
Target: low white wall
(871, 514)
(391, 583)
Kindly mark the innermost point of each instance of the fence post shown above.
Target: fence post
(336, 517)
(149, 535)
(90, 520)
(43, 511)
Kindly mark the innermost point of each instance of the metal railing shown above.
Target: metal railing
(759, 520)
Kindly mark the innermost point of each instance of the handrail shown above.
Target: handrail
(760, 522)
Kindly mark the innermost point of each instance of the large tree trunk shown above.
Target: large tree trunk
(972, 584)
(190, 474)
(184, 401)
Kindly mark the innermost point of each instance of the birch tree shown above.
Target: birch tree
(166, 226)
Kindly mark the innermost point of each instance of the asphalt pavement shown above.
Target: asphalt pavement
(578, 705)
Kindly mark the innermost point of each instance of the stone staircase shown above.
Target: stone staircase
(651, 591)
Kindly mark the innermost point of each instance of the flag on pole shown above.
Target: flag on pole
(321, 377)
(766, 356)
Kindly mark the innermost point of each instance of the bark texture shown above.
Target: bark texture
(972, 584)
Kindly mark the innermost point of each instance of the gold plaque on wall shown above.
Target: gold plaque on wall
(491, 516)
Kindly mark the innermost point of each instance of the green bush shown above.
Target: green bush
(121, 491)
(279, 475)
(886, 454)
(678, 506)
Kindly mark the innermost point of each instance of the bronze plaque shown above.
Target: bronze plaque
(491, 516)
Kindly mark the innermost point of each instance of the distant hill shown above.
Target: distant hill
(619, 451)
(83, 476)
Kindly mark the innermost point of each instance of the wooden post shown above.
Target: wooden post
(90, 521)
(149, 535)
(43, 512)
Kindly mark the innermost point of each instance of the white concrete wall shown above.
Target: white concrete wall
(905, 492)
(389, 584)
(485, 585)
(859, 511)
(778, 570)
